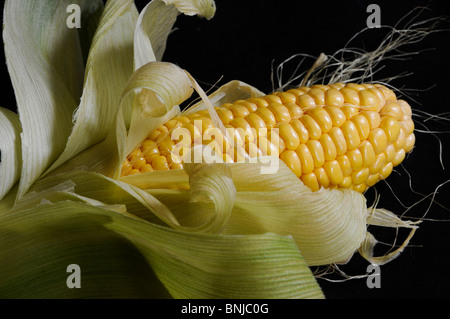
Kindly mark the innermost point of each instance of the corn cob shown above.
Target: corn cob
(332, 136)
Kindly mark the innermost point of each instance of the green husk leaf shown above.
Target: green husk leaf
(162, 86)
(109, 66)
(46, 68)
(10, 150)
(328, 226)
(106, 190)
(37, 246)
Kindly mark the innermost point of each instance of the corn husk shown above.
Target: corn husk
(10, 161)
(120, 256)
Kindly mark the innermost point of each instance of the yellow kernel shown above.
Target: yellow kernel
(338, 139)
(259, 102)
(310, 180)
(267, 147)
(409, 142)
(301, 130)
(255, 121)
(316, 150)
(215, 147)
(346, 182)
(369, 101)
(386, 170)
(337, 116)
(322, 118)
(274, 137)
(373, 118)
(312, 126)
(294, 110)
(334, 172)
(280, 111)
(337, 86)
(239, 110)
(134, 171)
(406, 109)
(160, 163)
(149, 146)
(290, 158)
(368, 154)
(378, 164)
(350, 96)
(306, 159)
(389, 95)
(206, 123)
(272, 98)
(392, 109)
(289, 136)
(172, 124)
(399, 157)
(138, 162)
(306, 102)
(356, 159)
(389, 153)
(355, 87)
(295, 92)
(333, 97)
(226, 116)
(155, 135)
(359, 188)
(267, 116)
(203, 113)
(163, 129)
(322, 177)
(329, 149)
(287, 97)
(378, 139)
(379, 95)
(243, 131)
(351, 135)
(183, 119)
(391, 127)
(318, 95)
(176, 165)
(193, 131)
(345, 164)
(251, 107)
(146, 168)
(408, 126)
(227, 158)
(401, 139)
(252, 150)
(126, 168)
(372, 180)
(362, 126)
(239, 157)
(350, 110)
(360, 176)
(150, 155)
(166, 145)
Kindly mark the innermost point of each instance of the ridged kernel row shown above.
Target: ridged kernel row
(339, 135)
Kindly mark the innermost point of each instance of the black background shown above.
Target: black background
(247, 37)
